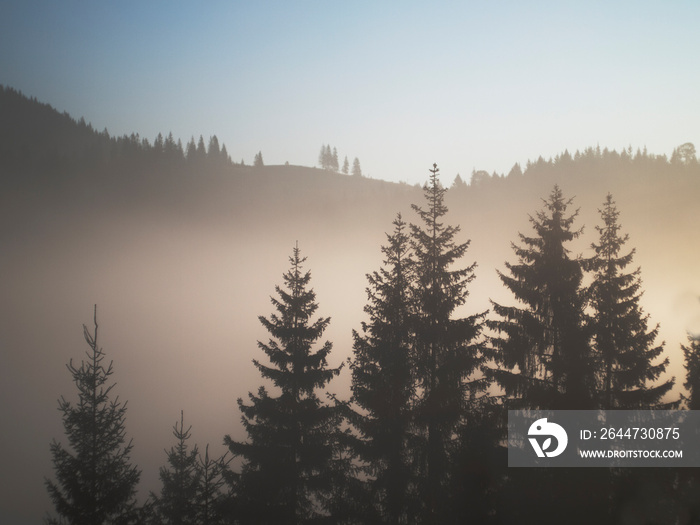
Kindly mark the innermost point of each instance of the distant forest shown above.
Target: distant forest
(421, 437)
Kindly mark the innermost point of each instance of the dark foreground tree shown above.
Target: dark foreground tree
(624, 346)
(543, 354)
(288, 472)
(177, 502)
(95, 480)
(383, 387)
(448, 357)
(691, 355)
(211, 501)
(544, 361)
(191, 483)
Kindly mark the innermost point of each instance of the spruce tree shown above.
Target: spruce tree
(447, 355)
(95, 480)
(177, 503)
(201, 149)
(322, 159)
(288, 458)
(544, 361)
(356, 169)
(382, 384)
(346, 166)
(334, 160)
(210, 499)
(543, 354)
(691, 355)
(624, 346)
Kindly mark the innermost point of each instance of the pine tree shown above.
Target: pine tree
(258, 161)
(201, 149)
(382, 384)
(177, 503)
(322, 160)
(624, 347)
(543, 357)
(96, 482)
(210, 500)
(334, 160)
(691, 355)
(191, 151)
(171, 150)
(214, 150)
(544, 361)
(346, 166)
(356, 170)
(158, 145)
(447, 355)
(288, 470)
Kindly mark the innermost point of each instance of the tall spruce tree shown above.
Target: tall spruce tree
(447, 355)
(383, 387)
(177, 503)
(624, 346)
(543, 355)
(288, 475)
(544, 361)
(96, 482)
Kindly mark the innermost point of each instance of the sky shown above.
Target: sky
(469, 85)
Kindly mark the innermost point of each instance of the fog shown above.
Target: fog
(181, 269)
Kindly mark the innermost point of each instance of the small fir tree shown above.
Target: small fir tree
(177, 503)
(346, 166)
(334, 160)
(356, 169)
(289, 454)
(201, 149)
(624, 346)
(210, 499)
(258, 161)
(95, 482)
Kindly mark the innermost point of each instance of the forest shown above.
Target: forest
(533, 289)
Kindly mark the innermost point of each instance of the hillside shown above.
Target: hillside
(181, 254)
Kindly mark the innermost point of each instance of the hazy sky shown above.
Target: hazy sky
(470, 85)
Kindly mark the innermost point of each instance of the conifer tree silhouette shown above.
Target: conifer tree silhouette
(383, 386)
(543, 355)
(447, 354)
(95, 482)
(288, 472)
(625, 348)
(691, 355)
(177, 502)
